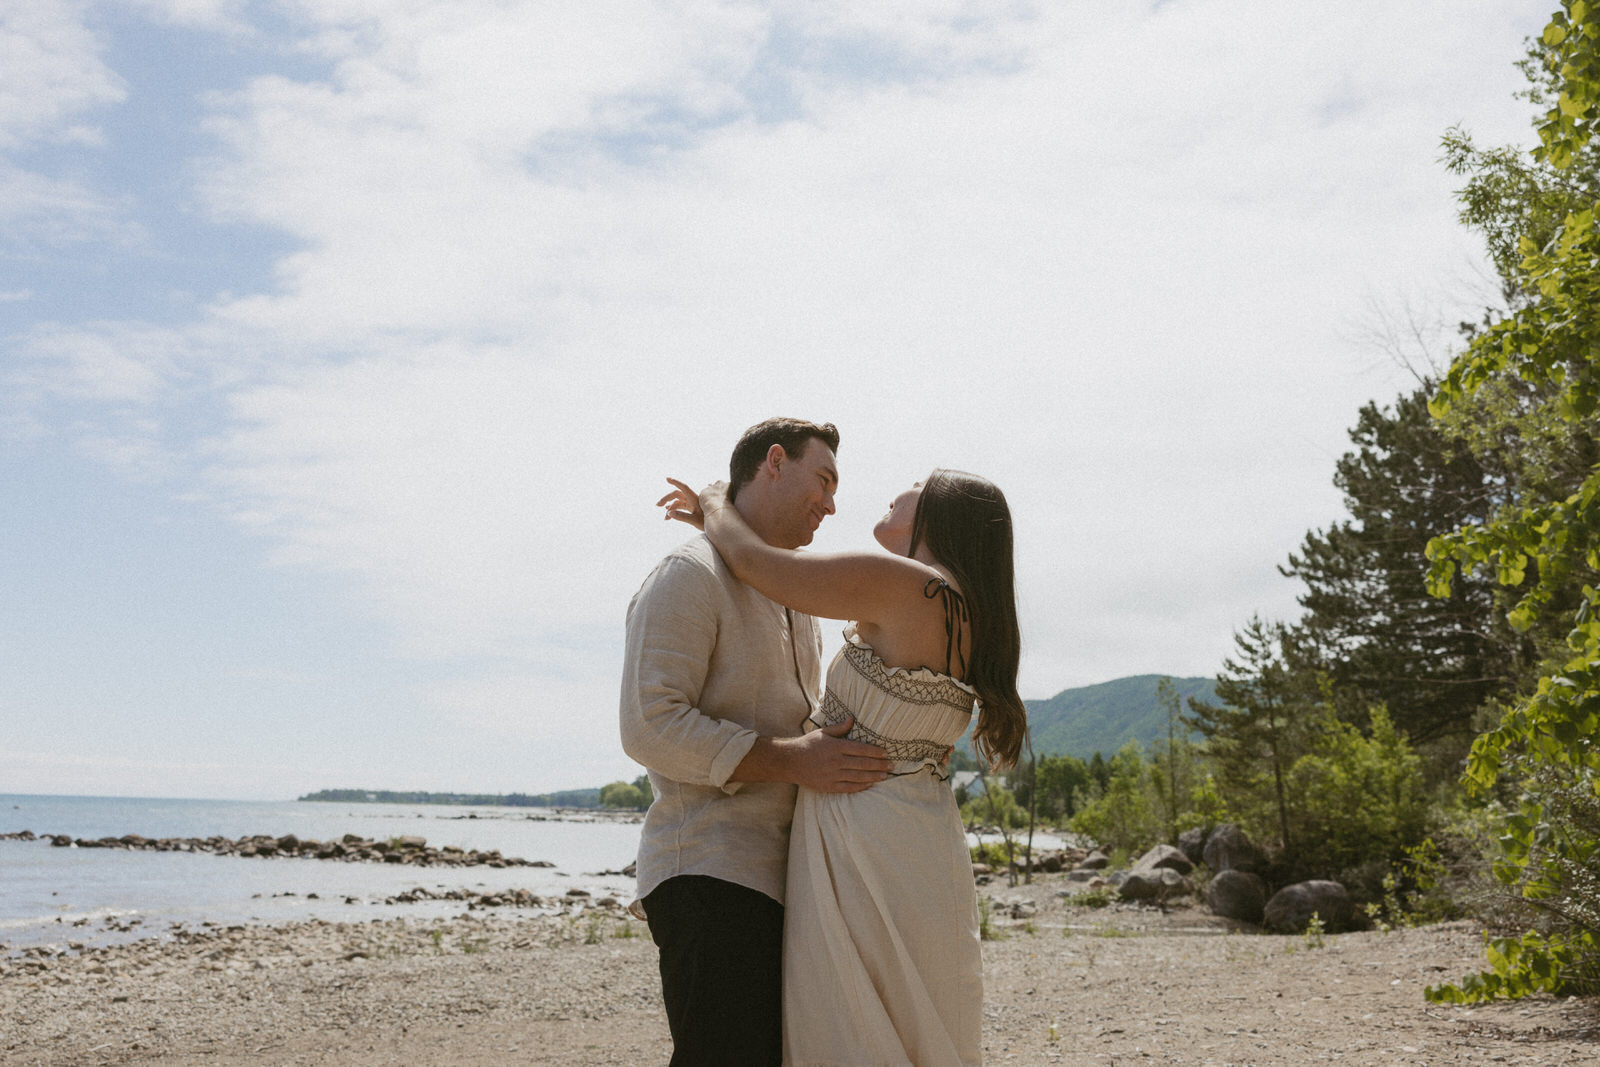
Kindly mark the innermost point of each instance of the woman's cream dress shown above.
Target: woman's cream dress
(881, 960)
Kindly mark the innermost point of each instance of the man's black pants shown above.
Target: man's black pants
(721, 971)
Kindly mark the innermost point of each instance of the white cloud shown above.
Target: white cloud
(50, 70)
(51, 74)
(228, 16)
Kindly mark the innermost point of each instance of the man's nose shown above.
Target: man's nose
(827, 504)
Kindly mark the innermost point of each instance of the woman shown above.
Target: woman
(881, 954)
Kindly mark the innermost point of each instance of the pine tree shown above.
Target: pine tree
(1370, 624)
(1257, 728)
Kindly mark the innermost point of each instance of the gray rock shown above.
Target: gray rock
(1290, 909)
(1018, 908)
(1154, 884)
(1229, 849)
(1161, 856)
(1095, 861)
(1237, 895)
(1193, 844)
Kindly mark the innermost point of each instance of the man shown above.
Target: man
(717, 681)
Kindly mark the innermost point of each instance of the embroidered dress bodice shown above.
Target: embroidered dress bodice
(914, 714)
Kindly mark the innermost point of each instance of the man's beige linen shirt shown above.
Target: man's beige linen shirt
(710, 665)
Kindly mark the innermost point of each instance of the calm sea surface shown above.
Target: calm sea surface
(50, 894)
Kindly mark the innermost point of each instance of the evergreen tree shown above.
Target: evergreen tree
(1173, 758)
(1257, 728)
(1370, 624)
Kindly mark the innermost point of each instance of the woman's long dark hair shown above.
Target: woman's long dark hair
(964, 521)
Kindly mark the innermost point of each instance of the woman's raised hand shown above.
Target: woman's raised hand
(683, 504)
(712, 497)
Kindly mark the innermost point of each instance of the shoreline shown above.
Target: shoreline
(107, 890)
(1063, 984)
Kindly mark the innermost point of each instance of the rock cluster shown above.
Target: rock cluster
(573, 900)
(1051, 861)
(352, 848)
(1236, 889)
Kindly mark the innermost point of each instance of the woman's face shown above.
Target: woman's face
(894, 529)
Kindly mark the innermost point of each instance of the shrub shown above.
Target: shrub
(1360, 798)
(1127, 812)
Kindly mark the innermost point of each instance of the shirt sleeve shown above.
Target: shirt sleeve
(671, 633)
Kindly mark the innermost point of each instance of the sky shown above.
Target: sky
(345, 345)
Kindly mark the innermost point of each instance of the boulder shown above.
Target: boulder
(1154, 884)
(411, 841)
(1229, 849)
(1163, 856)
(1095, 861)
(1290, 909)
(1193, 844)
(1237, 895)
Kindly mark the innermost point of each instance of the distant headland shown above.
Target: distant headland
(567, 798)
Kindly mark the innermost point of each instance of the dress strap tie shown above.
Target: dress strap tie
(955, 613)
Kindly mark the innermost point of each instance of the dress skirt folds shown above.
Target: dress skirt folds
(881, 953)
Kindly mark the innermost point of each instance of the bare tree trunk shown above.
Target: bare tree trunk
(1005, 834)
(1033, 805)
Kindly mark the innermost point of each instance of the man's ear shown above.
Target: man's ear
(775, 456)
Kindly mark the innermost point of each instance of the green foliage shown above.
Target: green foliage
(1092, 898)
(991, 804)
(635, 795)
(1174, 759)
(1358, 796)
(1413, 891)
(1061, 780)
(987, 930)
(1532, 963)
(1549, 540)
(1259, 726)
(991, 853)
(1370, 623)
(1127, 812)
(1315, 932)
(1206, 806)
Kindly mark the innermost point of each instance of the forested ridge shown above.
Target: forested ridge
(567, 798)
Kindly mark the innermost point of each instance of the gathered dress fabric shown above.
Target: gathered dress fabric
(881, 959)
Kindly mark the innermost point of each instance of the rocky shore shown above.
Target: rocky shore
(351, 848)
(1065, 983)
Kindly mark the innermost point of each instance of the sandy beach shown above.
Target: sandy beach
(1063, 985)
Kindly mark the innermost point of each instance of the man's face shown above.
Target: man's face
(803, 495)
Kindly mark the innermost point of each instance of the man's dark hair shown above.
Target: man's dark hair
(792, 434)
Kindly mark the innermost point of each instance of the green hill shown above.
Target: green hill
(1102, 718)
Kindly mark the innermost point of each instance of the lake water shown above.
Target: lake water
(53, 895)
(50, 894)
